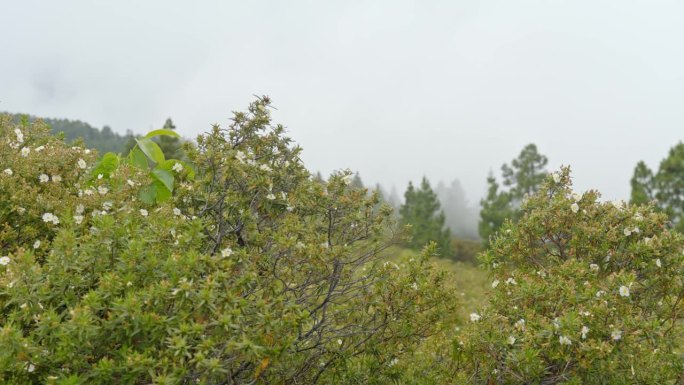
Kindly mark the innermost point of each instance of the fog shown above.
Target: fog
(393, 89)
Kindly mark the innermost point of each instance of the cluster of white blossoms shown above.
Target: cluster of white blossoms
(82, 164)
(616, 335)
(584, 332)
(624, 291)
(50, 218)
(556, 176)
(474, 317)
(4, 261)
(144, 212)
(8, 172)
(177, 167)
(564, 340)
(227, 252)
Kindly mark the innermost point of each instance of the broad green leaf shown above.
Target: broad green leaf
(162, 131)
(187, 168)
(106, 165)
(163, 194)
(148, 194)
(164, 176)
(151, 149)
(137, 158)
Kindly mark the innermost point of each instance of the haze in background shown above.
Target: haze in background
(394, 89)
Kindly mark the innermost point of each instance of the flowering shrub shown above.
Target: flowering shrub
(583, 292)
(249, 272)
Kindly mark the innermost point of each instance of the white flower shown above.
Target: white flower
(393, 362)
(79, 209)
(102, 190)
(511, 340)
(176, 211)
(31, 368)
(576, 197)
(520, 324)
(100, 176)
(50, 217)
(585, 330)
(627, 232)
(4, 260)
(495, 283)
(227, 252)
(556, 177)
(36, 244)
(347, 179)
(39, 149)
(638, 217)
(175, 291)
(574, 207)
(56, 178)
(21, 210)
(511, 281)
(474, 317)
(177, 167)
(8, 171)
(289, 208)
(616, 335)
(78, 219)
(20, 135)
(594, 267)
(618, 204)
(600, 293)
(130, 183)
(239, 155)
(564, 340)
(658, 263)
(81, 163)
(264, 167)
(143, 212)
(107, 205)
(414, 286)
(624, 291)
(43, 178)
(87, 151)
(636, 230)
(270, 196)
(25, 152)
(339, 341)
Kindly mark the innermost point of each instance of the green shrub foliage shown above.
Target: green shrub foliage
(250, 272)
(583, 292)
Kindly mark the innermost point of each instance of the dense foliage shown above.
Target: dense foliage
(249, 272)
(584, 292)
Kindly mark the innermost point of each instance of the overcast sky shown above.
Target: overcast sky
(394, 89)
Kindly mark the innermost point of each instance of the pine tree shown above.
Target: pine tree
(422, 210)
(522, 178)
(666, 186)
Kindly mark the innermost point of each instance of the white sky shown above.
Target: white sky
(394, 89)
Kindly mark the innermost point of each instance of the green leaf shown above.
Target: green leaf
(106, 165)
(151, 149)
(162, 131)
(137, 158)
(163, 176)
(148, 194)
(163, 194)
